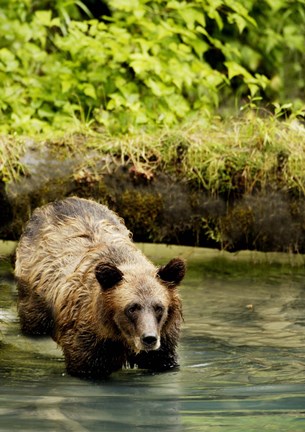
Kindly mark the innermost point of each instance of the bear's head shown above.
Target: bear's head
(141, 305)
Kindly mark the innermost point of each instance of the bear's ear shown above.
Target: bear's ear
(173, 272)
(108, 275)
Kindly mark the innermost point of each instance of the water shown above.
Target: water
(242, 358)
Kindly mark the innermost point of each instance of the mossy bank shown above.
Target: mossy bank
(233, 185)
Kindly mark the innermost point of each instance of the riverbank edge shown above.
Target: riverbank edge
(229, 186)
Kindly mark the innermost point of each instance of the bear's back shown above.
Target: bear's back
(81, 209)
(72, 218)
(72, 214)
(59, 234)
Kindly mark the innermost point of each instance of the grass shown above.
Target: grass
(11, 149)
(242, 154)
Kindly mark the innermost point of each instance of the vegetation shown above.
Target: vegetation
(240, 156)
(233, 185)
(221, 157)
(11, 150)
(144, 63)
(210, 92)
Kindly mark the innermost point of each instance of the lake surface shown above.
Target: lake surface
(242, 357)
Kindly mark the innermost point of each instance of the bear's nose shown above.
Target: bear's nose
(149, 340)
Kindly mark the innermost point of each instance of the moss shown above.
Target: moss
(233, 157)
(235, 185)
(236, 227)
(11, 150)
(142, 213)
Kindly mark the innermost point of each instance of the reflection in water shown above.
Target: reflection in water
(242, 360)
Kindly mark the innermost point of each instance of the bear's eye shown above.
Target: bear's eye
(132, 309)
(159, 309)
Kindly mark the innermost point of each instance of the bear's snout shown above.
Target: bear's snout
(149, 341)
(148, 330)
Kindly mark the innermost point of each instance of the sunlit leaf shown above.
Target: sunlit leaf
(44, 17)
(89, 90)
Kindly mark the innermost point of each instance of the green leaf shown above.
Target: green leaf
(158, 88)
(178, 104)
(235, 69)
(66, 85)
(191, 16)
(44, 17)
(89, 90)
(8, 60)
(199, 46)
(126, 5)
(116, 101)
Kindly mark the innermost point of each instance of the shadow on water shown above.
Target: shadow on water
(242, 358)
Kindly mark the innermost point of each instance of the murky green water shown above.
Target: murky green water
(242, 359)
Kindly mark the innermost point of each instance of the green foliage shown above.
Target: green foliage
(148, 63)
(275, 48)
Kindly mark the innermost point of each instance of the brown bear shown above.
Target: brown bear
(82, 280)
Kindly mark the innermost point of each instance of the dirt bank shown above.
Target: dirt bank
(159, 205)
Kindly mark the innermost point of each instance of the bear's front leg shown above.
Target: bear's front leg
(163, 359)
(35, 316)
(86, 357)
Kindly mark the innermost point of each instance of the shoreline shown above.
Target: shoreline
(231, 186)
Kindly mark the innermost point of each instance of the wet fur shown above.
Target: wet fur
(76, 269)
